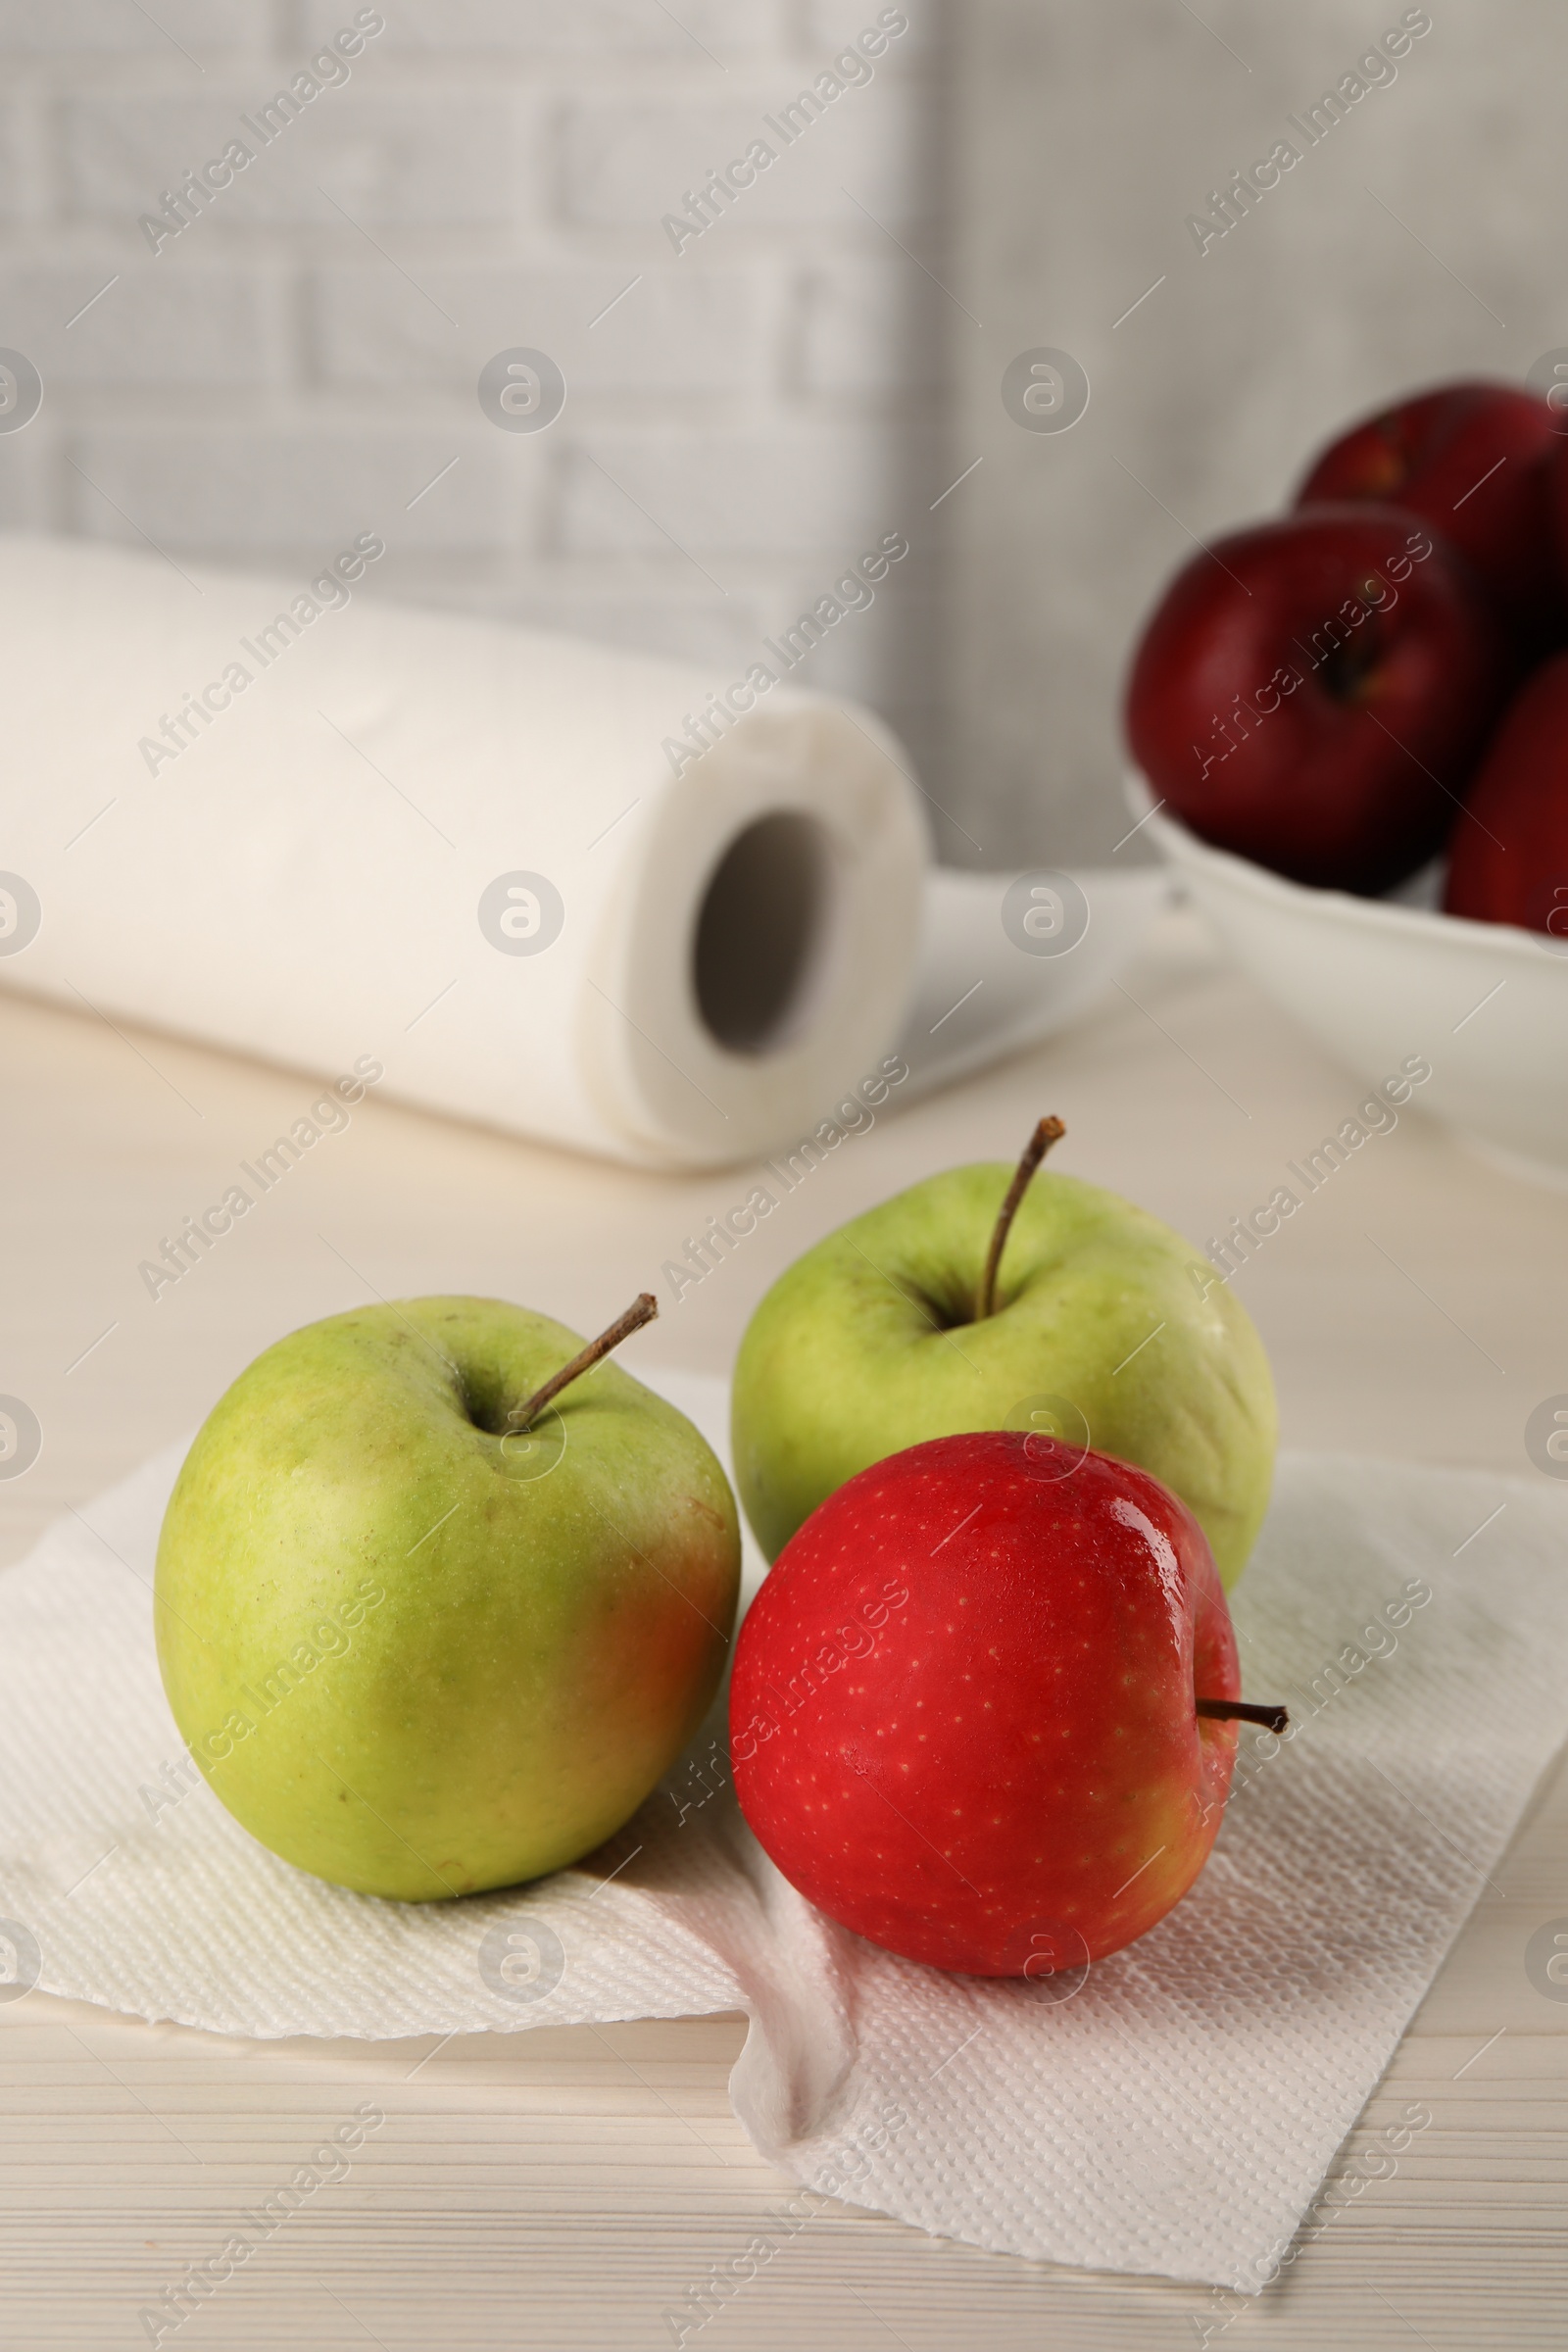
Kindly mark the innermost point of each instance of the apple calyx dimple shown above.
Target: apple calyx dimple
(641, 1310)
(1049, 1130)
(1241, 1710)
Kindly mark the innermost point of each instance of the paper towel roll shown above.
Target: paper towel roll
(458, 848)
(284, 818)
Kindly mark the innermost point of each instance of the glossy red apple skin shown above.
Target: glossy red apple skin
(1508, 862)
(961, 1713)
(1314, 692)
(1478, 462)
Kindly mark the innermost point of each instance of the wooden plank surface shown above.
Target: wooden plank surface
(568, 2187)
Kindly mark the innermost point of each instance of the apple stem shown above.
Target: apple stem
(1048, 1131)
(1241, 1710)
(641, 1310)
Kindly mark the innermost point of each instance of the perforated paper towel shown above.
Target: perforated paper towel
(1172, 2113)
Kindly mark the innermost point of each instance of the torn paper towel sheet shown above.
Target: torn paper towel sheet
(1172, 2113)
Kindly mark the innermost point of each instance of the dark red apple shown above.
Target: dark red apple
(1557, 485)
(1477, 461)
(963, 1715)
(1314, 692)
(1508, 862)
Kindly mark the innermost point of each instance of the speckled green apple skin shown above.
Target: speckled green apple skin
(543, 1647)
(867, 1346)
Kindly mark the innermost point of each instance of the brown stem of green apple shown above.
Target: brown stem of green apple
(1048, 1131)
(643, 1310)
(1241, 1710)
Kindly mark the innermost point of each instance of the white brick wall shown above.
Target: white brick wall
(694, 332)
(69, 27)
(302, 359)
(567, 27)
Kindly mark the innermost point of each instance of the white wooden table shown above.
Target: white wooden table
(566, 2187)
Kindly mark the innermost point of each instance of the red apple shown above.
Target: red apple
(1509, 858)
(963, 1715)
(1557, 487)
(1312, 694)
(1477, 461)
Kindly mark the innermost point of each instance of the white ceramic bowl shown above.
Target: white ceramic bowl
(1377, 979)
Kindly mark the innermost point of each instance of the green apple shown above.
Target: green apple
(414, 1650)
(1104, 1333)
